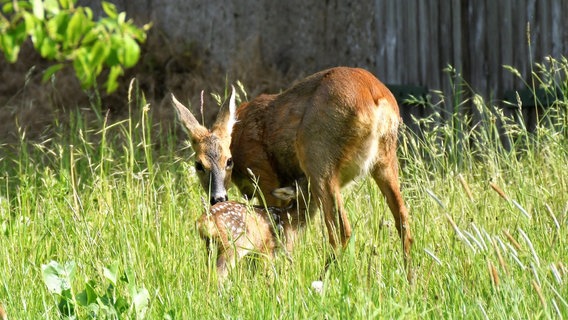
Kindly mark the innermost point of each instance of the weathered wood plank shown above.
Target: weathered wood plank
(506, 38)
(424, 56)
(558, 14)
(411, 38)
(494, 24)
(391, 41)
(433, 42)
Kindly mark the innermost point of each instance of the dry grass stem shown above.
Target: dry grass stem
(494, 274)
(500, 257)
(465, 186)
(512, 240)
(498, 190)
(538, 290)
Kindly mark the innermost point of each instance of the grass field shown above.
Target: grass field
(100, 221)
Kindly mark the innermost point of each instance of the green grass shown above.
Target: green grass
(123, 209)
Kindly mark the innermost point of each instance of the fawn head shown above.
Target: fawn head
(213, 160)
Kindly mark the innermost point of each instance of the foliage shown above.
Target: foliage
(113, 304)
(65, 33)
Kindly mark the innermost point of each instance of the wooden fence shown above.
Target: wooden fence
(404, 42)
(478, 38)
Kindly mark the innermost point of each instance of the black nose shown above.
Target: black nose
(218, 199)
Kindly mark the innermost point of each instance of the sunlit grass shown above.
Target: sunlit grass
(102, 194)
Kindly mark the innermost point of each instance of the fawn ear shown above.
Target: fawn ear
(286, 193)
(226, 118)
(195, 130)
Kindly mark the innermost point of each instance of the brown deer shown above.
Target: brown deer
(330, 128)
(235, 229)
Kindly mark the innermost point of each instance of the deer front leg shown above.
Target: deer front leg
(224, 264)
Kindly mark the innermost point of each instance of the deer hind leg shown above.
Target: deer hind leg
(327, 194)
(386, 177)
(229, 257)
(225, 262)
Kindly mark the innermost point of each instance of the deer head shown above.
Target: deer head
(213, 160)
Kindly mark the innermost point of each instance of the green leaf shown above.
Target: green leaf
(11, 41)
(38, 9)
(112, 83)
(32, 23)
(121, 18)
(120, 305)
(16, 6)
(82, 68)
(109, 9)
(56, 277)
(116, 55)
(88, 12)
(74, 30)
(131, 52)
(38, 36)
(51, 71)
(109, 24)
(111, 272)
(54, 283)
(52, 6)
(90, 36)
(66, 4)
(140, 302)
(48, 49)
(98, 55)
(35, 29)
(135, 32)
(88, 296)
(11, 52)
(57, 26)
(8, 8)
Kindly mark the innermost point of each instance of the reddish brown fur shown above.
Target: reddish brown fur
(330, 128)
(324, 127)
(3, 315)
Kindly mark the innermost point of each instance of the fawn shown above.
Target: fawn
(235, 229)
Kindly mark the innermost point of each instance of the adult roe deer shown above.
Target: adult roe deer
(235, 229)
(330, 128)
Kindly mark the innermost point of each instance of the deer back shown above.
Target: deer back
(323, 114)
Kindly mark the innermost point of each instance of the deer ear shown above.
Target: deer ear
(227, 117)
(195, 130)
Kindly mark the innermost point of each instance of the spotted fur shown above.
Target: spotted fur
(235, 229)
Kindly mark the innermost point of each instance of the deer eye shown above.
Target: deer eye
(229, 163)
(199, 166)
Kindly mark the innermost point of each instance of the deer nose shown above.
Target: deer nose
(221, 198)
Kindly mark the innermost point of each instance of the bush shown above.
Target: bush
(67, 34)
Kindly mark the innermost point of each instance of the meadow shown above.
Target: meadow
(98, 221)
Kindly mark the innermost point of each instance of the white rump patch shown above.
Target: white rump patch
(386, 124)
